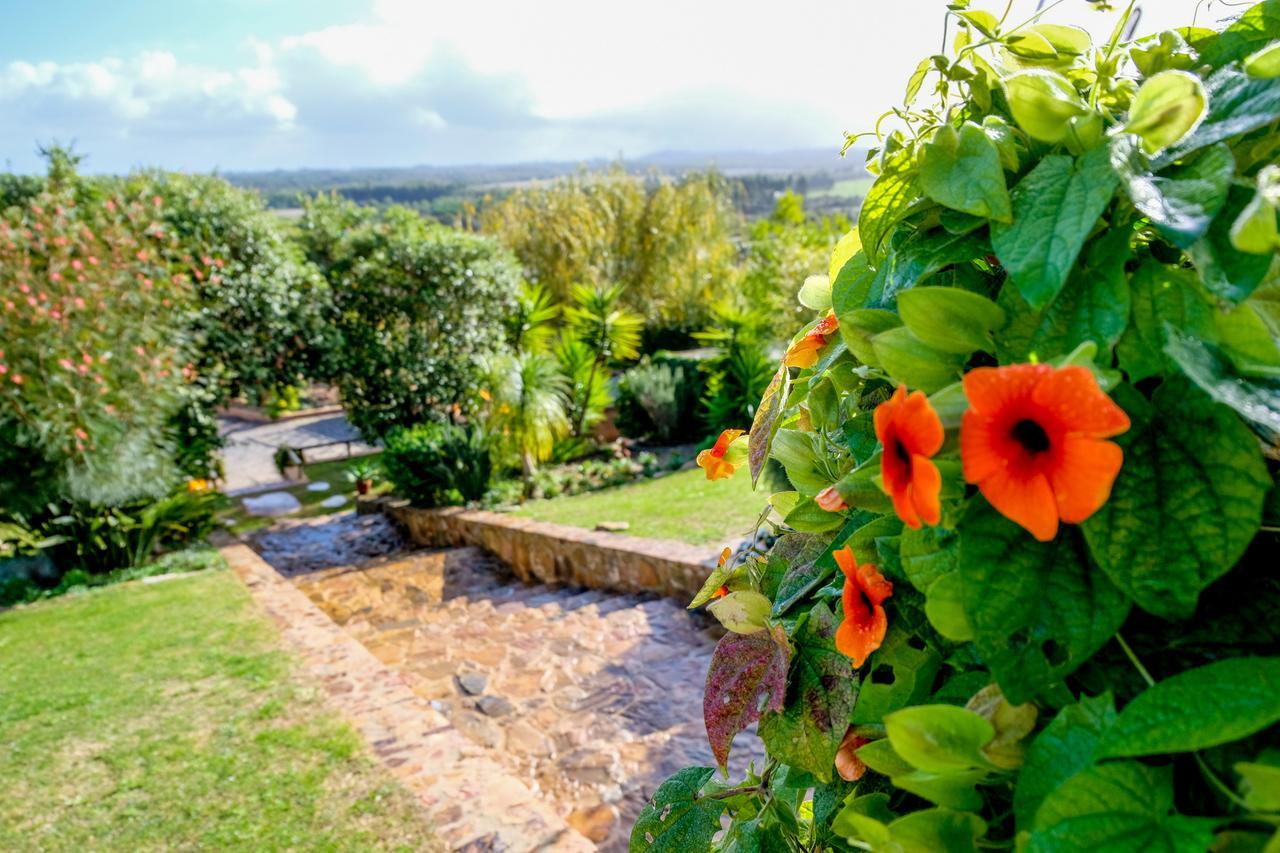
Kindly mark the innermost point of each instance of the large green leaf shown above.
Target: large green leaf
(748, 674)
(677, 820)
(1183, 202)
(1038, 609)
(887, 202)
(805, 573)
(1043, 104)
(932, 830)
(1063, 749)
(1163, 298)
(1054, 208)
(912, 362)
(1229, 273)
(1238, 104)
(820, 695)
(1186, 504)
(950, 319)
(927, 554)
(1196, 709)
(1167, 107)
(1123, 807)
(960, 169)
(1094, 306)
(1255, 400)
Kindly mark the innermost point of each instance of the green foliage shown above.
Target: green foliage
(421, 310)
(666, 244)
(438, 464)
(526, 412)
(1106, 682)
(660, 399)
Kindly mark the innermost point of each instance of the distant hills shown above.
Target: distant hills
(831, 182)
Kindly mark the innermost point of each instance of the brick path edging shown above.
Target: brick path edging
(542, 552)
(472, 802)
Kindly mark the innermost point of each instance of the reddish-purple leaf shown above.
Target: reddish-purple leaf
(748, 675)
(766, 419)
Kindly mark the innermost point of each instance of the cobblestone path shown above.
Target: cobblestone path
(591, 698)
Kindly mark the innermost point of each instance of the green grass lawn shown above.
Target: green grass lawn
(164, 716)
(334, 473)
(684, 506)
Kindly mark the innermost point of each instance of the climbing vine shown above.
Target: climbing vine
(1022, 467)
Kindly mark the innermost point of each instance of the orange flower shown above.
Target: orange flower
(848, 764)
(718, 461)
(830, 500)
(910, 431)
(1033, 442)
(865, 622)
(804, 352)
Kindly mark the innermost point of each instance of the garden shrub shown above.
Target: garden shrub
(1024, 595)
(438, 464)
(421, 310)
(660, 399)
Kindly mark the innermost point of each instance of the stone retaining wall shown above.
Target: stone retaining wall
(541, 552)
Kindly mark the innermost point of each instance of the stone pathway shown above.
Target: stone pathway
(590, 698)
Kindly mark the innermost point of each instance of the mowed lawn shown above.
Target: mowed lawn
(164, 716)
(684, 506)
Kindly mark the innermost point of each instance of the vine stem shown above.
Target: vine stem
(1205, 770)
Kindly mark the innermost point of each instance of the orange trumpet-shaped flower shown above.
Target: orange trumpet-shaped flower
(848, 764)
(804, 352)
(911, 433)
(718, 461)
(1033, 441)
(865, 622)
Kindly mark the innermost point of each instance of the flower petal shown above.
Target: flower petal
(904, 506)
(991, 389)
(857, 640)
(982, 447)
(1071, 394)
(886, 412)
(1024, 499)
(873, 584)
(1082, 481)
(926, 489)
(716, 467)
(918, 425)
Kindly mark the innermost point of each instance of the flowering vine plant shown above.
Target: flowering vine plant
(1022, 467)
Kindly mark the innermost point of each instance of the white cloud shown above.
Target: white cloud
(448, 82)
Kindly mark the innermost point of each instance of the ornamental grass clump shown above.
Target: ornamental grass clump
(1022, 466)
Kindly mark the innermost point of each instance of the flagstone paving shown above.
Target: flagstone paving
(590, 698)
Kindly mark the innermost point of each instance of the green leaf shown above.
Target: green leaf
(939, 738)
(897, 675)
(1063, 749)
(1054, 208)
(932, 830)
(742, 611)
(1186, 504)
(1196, 709)
(1183, 203)
(944, 607)
(887, 202)
(675, 820)
(820, 695)
(798, 452)
(1166, 109)
(747, 675)
(808, 517)
(1038, 610)
(1260, 785)
(1255, 228)
(983, 21)
(864, 817)
(815, 293)
(1257, 401)
(1163, 298)
(1167, 50)
(1238, 104)
(1093, 306)
(913, 363)
(960, 169)
(1230, 274)
(1255, 28)
(950, 319)
(806, 574)
(848, 246)
(918, 257)
(1119, 807)
(1264, 63)
(1043, 104)
(719, 577)
(766, 422)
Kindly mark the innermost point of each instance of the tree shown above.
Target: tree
(527, 407)
(607, 331)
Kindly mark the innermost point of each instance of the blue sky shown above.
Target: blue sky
(255, 84)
